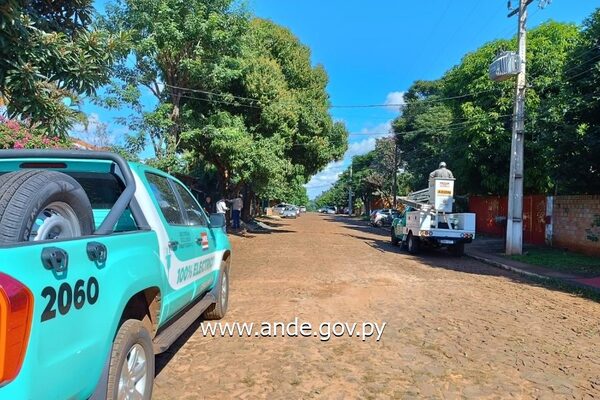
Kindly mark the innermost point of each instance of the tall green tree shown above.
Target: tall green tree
(181, 50)
(235, 96)
(465, 119)
(49, 52)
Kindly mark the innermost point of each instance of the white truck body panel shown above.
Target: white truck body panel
(422, 223)
(441, 194)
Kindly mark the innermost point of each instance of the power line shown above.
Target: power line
(434, 100)
(350, 106)
(219, 101)
(226, 95)
(450, 39)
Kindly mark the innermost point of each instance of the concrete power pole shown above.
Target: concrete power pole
(395, 177)
(514, 225)
(350, 193)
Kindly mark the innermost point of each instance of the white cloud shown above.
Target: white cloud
(395, 101)
(95, 132)
(329, 175)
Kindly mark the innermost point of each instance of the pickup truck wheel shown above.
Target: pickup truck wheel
(379, 223)
(219, 309)
(413, 244)
(131, 371)
(395, 240)
(43, 205)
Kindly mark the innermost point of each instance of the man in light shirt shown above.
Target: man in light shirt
(237, 204)
(221, 208)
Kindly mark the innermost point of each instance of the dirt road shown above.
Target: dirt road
(455, 327)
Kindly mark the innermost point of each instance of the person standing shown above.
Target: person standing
(236, 205)
(208, 205)
(442, 172)
(221, 208)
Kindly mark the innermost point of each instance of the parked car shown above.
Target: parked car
(330, 210)
(278, 209)
(302, 209)
(115, 261)
(383, 217)
(289, 212)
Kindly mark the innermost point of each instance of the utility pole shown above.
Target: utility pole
(514, 223)
(395, 176)
(350, 193)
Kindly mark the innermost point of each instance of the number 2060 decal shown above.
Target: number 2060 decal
(66, 297)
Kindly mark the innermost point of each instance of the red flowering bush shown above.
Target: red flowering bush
(13, 135)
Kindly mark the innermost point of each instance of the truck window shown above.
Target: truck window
(166, 199)
(194, 212)
(103, 190)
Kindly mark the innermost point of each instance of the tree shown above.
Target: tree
(48, 53)
(570, 118)
(288, 118)
(464, 118)
(237, 98)
(181, 50)
(372, 175)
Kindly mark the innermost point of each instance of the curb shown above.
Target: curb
(565, 282)
(507, 267)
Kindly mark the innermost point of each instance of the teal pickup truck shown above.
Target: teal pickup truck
(103, 264)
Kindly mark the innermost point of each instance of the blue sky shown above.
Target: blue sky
(373, 51)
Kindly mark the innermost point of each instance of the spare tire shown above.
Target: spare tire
(42, 205)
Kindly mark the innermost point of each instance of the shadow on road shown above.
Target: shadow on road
(163, 359)
(440, 258)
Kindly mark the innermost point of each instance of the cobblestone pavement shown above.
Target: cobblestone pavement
(456, 328)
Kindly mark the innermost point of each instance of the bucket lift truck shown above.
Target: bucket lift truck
(428, 220)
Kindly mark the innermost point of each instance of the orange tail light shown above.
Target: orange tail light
(16, 310)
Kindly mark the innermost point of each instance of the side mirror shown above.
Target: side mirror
(217, 220)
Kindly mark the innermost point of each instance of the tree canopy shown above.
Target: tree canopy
(49, 53)
(464, 119)
(236, 97)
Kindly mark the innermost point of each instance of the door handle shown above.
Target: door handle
(173, 244)
(55, 259)
(97, 252)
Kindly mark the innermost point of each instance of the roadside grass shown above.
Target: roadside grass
(560, 260)
(567, 287)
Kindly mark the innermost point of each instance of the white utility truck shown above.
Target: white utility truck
(428, 220)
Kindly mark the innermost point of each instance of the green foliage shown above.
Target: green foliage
(47, 55)
(465, 119)
(237, 98)
(372, 177)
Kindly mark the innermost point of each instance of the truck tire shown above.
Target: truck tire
(413, 244)
(395, 240)
(42, 205)
(131, 370)
(219, 308)
(458, 249)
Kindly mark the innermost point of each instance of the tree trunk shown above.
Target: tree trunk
(247, 213)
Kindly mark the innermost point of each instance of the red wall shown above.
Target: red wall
(487, 208)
